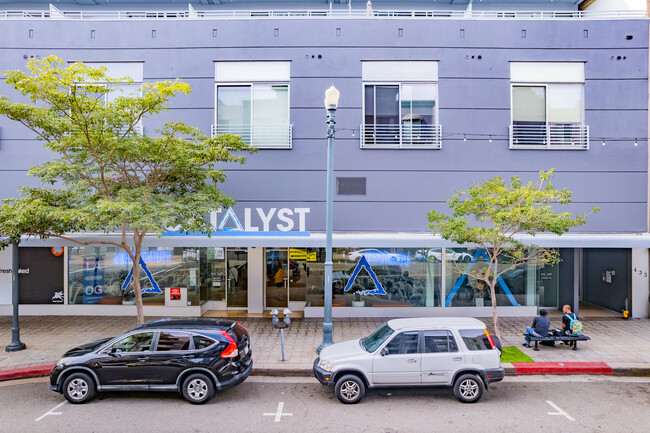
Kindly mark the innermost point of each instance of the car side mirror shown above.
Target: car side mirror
(384, 351)
(115, 351)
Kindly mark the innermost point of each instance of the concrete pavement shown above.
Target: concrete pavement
(622, 345)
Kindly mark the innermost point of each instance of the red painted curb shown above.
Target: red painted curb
(561, 368)
(23, 372)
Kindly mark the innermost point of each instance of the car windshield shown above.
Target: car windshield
(374, 340)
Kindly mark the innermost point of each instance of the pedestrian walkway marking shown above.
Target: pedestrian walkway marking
(559, 411)
(278, 415)
(51, 412)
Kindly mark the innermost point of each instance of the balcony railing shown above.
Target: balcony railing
(192, 14)
(549, 136)
(409, 136)
(260, 136)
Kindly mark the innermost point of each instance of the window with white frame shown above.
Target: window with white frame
(548, 105)
(119, 70)
(400, 105)
(252, 101)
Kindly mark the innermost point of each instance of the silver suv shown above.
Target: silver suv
(439, 351)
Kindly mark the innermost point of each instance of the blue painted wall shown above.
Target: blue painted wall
(402, 185)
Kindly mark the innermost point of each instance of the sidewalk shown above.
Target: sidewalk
(617, 346)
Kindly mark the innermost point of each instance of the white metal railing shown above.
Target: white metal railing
(354, 13)
(262, 136)
(549, 136)
(405, 136)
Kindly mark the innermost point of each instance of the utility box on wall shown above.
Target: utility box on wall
(175, 296)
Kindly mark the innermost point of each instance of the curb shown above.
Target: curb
(561, 368)
(25, 372)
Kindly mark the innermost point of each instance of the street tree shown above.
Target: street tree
(493, 215)
(106, 177)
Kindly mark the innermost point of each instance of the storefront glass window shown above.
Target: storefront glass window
(515, 287)
(96, 275)
(385, 277)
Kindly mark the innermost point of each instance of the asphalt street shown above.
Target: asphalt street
(518, 404)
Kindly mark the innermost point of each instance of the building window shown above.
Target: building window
(252, 101)
(119, 70)
(548, 106)
(400, 105)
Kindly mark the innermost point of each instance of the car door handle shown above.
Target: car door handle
(411, 360)
(188, 356)
(458, 358)
(142, 359)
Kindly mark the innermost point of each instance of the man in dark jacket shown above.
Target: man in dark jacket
(540, 326)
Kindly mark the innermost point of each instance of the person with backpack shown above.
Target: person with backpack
(570, 323)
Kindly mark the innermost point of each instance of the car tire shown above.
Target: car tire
(78, 388)
(197, 388)
(350, 389)
(468, 388)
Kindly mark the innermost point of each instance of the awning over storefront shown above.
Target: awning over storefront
(349, 240)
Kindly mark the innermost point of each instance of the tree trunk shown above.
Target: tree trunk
(136, 279)
(493, 272)
(495, 317)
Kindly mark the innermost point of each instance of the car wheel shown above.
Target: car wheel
(197, 388)
(350, 389)
(78, 388)
(468, 388)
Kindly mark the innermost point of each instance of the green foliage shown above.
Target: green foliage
(492, 214)
(107, 175)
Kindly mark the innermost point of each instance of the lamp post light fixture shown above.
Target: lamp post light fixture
(331, 103)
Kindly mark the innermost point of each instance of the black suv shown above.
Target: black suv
(192, 356)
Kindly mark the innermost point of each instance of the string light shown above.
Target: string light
(490, 139)
(465, 137)
(636, 142)
(604, 142)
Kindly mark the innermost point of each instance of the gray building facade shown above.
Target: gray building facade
(434, 98)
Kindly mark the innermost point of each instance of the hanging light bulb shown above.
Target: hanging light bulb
(636, 141)
(490, 139)
(465, 137)
(604, 142)
(353, 132)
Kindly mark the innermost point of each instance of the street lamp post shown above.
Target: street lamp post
(15, 344)
(331, 103)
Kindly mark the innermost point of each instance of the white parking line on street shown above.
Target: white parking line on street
(278, 414)
(559, 411)
(51, 412)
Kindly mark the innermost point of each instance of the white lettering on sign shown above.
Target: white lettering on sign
(266, 219)
(283, 215)
(247, 221)
(272, 219)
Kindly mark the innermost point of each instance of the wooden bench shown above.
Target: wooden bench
(573, 339)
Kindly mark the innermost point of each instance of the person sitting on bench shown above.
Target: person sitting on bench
(540, 327)
(566, 320)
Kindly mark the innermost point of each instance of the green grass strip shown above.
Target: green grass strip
(512, 354)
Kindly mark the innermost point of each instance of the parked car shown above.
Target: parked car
(450, 255)
(440, 351)
(377, 256)
(193, 357)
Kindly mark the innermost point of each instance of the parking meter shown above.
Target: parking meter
(286, 321)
